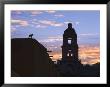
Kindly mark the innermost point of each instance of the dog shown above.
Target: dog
(30, 36)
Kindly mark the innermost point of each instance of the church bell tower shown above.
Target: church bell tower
(70, 46)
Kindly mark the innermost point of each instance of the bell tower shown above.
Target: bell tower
(70, 46)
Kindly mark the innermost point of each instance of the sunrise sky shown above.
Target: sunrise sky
(48, 27)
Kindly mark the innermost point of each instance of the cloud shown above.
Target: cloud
(34, 19)
(50, 11)
(89, 54)
(15, 21)
(13, 29)
(34, 13)
(67, 22)
(40, 26)
(59, 15)
(91, 57)
(77, 23)
(55, 40)
(45, 23)
(51, 23)
(89, 61)
(57, 37)
(52, 39)
(56, 56)
(33, 22)
(17, 11)
(36, 24)
(24, 23)
(19, 22)
(89, 34)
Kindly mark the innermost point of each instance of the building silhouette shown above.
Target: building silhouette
(70, 46)
(29, 58)
(70, 65)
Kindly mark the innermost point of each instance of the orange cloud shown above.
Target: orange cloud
(56, 56)
(87, 54)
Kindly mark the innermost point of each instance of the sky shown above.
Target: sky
(48, 27)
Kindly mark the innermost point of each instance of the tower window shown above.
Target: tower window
(69, 50)
(67, 54)
(69, 41)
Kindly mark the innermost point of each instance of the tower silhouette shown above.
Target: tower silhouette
(70, 46)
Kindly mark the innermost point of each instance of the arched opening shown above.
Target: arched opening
(69, 40)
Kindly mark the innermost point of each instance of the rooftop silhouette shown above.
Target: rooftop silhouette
(30, 58)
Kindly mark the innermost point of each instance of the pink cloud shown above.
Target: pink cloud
(57, 37)
(50, 11)
(34, 13)
(13, 29)
(17, 11)
(66, 22)
(59, 15)
(51, 23)
(40, 26)
(24, 23)
(89, 34)
(19, 22)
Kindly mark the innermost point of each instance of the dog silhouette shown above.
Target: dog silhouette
(30, 36)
